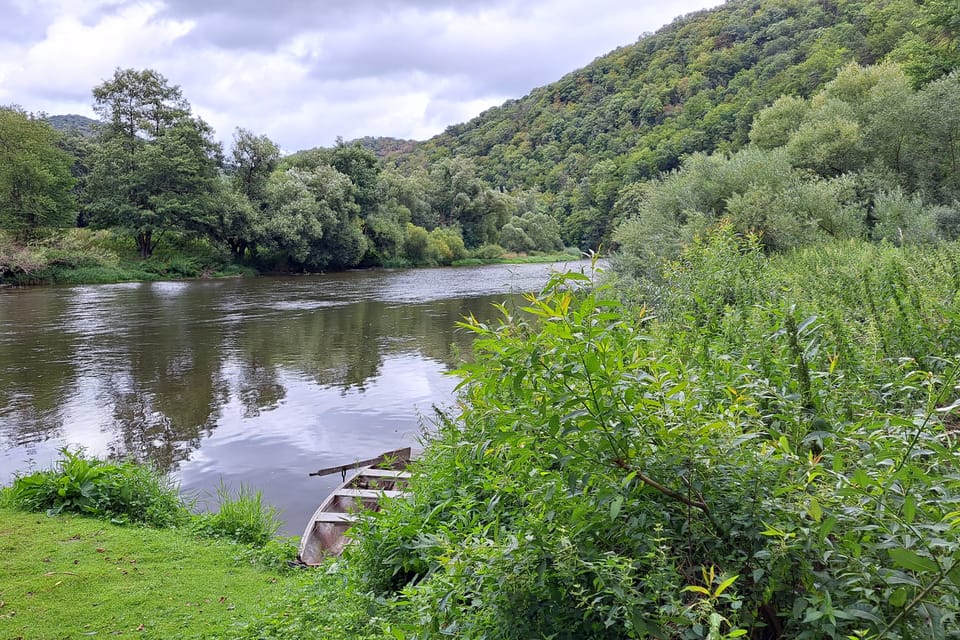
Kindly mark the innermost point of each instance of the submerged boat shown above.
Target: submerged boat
(383, 476)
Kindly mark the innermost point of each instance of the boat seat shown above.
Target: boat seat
(368, 493)
(384, 473)
(334, 516)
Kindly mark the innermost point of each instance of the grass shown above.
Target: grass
(71, 577)
(518, 258)
(244, 518)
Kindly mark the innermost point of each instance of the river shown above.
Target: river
(251, 382)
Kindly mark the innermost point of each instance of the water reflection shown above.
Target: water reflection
(255, 381)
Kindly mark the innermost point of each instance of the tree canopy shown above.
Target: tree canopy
(35, 178)
(156, 165)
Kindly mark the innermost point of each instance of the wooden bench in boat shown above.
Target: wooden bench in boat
(368, 493)
(325, 534)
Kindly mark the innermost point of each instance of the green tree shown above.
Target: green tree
(532, 231)
(411, 192)
(35, 179)
(363, 169)
(416, 245)
(156, 167)
(236, 221)
(239, 204)
(313, 218)
(253, 158)
(936, 158)
(447, 245)
(903, 219)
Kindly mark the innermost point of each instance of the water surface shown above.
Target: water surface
(253, 381)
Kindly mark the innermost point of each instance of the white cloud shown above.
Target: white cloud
(73, 57)
(304, 73)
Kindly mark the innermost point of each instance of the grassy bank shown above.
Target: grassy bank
(521, 258)
(72, 576)
(83, 256)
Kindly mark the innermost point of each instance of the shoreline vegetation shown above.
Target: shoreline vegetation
(84, 256)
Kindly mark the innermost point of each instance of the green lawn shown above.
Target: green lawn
(75, 577)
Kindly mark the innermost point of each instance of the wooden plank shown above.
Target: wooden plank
(384, 473)
(368, 493)
(397, 454)
(334, 516)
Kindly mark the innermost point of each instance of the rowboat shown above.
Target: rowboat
(383, 476)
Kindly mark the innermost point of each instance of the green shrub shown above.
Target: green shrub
(277, 554)
(121, 492)
(772, 458)
(446, 245)
(488, 252)
(244, 518)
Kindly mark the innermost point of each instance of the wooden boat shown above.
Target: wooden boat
(383, 476)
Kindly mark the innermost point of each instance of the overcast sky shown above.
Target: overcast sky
(306, 72)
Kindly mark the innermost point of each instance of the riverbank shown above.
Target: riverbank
(84, 256)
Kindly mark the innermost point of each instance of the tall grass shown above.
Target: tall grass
(242, 517)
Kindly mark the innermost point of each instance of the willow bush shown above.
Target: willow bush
(766, 451)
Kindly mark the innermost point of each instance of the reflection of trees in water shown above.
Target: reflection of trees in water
(345, 346)
(40, 375)
(144, 433)
(258, 387)
(172, 395)
(162, 364)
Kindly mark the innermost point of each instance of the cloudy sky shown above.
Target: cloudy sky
(304, 72)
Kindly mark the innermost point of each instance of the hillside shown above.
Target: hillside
(384, 147)
(695, 85)
(73, 123)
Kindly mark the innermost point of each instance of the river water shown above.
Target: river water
(250, 382)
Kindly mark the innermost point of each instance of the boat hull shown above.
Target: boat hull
(326, 533)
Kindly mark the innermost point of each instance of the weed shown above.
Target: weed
(244, 518)
(121, 492)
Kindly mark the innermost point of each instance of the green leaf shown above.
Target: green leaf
(724, 585)
(954, 574)
(911, 560)
(909, 509)
(827, 527)
(615, 506)
(814, 510)
(898, 598)
(591, 362)
(861, 478)
(806, 323)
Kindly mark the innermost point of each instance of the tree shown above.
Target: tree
(532, 231)
(363, 169)
(313, 218)
(236, 221)
(240, 202)
(254, 159)
(937, 157)
(156, 166)
(35, 180)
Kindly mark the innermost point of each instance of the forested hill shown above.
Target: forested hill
(695, 85)
(73, 123)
